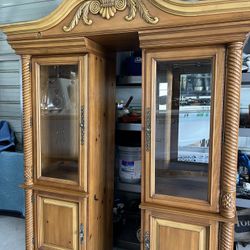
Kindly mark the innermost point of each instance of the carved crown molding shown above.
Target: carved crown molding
(107, 9)
(201, 7)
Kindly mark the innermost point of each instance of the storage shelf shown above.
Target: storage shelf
(247, 149)
(130, 80)
(121, 244)
(246, 77)
(129, 85)
(129, 126)
(242, 203)
(129, 187)
(127, 236)
(244, 132)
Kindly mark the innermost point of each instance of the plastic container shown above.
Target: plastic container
(132, 66)
(129, 164)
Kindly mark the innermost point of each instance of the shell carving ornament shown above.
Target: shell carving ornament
(107, 9)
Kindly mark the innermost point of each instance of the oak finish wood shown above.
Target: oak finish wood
(184, 30)
(110, 147)
(55, 214)
(65, 12)
(98, 133)
(227, 236)
(185, 212)
(167, 233)
(72, 212)
(212, 204)
(175, 230)
(81, 183)
(28, 149)
(230, 152)
(56, 190)
(95, 176)
(232, 111)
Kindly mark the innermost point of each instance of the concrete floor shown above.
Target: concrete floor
(12, 235)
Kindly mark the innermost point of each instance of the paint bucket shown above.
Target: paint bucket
(129, 164)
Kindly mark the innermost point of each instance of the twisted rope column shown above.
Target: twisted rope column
(227, 236)
(28, 156)
(230, 150)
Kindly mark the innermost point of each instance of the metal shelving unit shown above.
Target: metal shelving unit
(129, 126)
(129, 80)
(244, 132)
(129, 187)
(244, 203)
(128, 245)
(125, 86)
(246, 77)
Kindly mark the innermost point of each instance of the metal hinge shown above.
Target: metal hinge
(147, 241)
(81, 233)
(148, 129)
(82, 125)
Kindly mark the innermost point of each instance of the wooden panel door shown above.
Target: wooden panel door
(59, 223)
(168, 231)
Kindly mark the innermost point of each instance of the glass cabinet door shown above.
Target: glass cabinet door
(182, 125)
(183, 156)
(58, 108)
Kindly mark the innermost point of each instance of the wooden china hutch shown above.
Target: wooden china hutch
(68, 73)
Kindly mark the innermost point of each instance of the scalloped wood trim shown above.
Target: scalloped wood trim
(45, 23)
(175, 7)
(202, 7)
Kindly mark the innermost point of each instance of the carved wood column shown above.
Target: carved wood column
(230, 151)
(28, 155)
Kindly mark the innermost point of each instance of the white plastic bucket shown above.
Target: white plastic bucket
(129, 164)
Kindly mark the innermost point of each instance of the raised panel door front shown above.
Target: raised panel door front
(58, 224)
(173, 231)
(178, 236)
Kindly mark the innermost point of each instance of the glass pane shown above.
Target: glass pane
(59, 102)
(183, 102)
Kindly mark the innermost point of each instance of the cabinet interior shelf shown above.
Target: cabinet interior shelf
(122, 245)
(129, 187)
(246, 77)
(129, 80)
(128, 85)
(244, 132)
(129, 126)
(242, 203)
